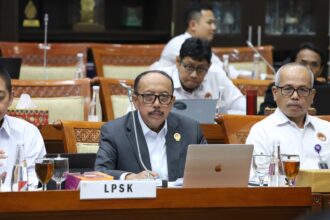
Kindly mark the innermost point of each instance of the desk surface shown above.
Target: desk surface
(216, 203)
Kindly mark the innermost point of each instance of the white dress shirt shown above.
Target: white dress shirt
(235, 101)
(12, 130)
(157, 148)
(277, 128)
(172, 50)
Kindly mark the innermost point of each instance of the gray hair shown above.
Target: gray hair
(280, 70)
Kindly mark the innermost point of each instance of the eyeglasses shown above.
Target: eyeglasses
(190, 69)
(289, 90)
(163, 99)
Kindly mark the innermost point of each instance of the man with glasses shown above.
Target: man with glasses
(290, 125)
(163, 137)
(193, 78)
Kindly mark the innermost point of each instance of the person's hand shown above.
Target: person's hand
(142, 175)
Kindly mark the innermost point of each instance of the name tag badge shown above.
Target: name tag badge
(117, 189)
(323, 165)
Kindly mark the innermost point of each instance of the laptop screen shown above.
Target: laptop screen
(201, 110)
(218, 165)
(12, 65)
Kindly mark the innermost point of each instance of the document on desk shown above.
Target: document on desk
(117, 189)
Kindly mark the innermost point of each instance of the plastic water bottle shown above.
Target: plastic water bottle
(81, 69)
(19, 178)
(95, 111)
(225, 59)
(221, 103)
(274, 175)
(256, 73)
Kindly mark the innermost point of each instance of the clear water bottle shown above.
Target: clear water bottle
(221, 103)
(19, 178)
(274, 174)
(225, 59)
(256, 72)
(95, 110)
(81, 68)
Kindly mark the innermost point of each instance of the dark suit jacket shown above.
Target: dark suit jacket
(118, 150)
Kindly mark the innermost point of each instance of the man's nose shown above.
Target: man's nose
(295, 95)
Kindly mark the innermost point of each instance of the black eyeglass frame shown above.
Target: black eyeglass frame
(300, 94)
(155, 97)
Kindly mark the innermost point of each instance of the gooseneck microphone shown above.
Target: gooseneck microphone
(129, 94)
(45, 46)
(262, 57)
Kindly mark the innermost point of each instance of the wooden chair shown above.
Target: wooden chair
(237, 127)
(242, 57)
(65, 99)
(113, 97)
(124, 61)
(61, 58)
(80, 136)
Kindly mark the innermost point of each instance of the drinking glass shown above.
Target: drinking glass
(3, 172)
(44, 169)
(291, 164)
(260, 165)
(61, 168)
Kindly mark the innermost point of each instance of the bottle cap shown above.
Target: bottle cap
(96, 87)
(19, 142)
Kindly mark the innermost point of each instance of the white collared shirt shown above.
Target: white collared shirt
(172, 50)
(277, 128)
(235, 101)
(13, 130)
(157, 148)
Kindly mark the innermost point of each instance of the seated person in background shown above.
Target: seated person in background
(12, 130)
(290, 125)
(163, 136)
(200, 23)
(194, 80)
(307, 54)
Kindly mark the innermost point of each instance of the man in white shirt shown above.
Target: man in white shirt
(290, 125)
(200, 22)
(159, 146)
(193, 78)
(13, 130)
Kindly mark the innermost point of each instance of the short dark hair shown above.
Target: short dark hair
(197, 49)
(309, 46)
(4, 75)
(193, 11)
(138, 78)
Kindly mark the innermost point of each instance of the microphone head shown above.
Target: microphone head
(249, 43)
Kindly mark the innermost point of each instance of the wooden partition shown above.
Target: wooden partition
(200, 203)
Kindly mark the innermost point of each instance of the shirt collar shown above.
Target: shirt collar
(146, 129)
(5, 125)
(282, 119)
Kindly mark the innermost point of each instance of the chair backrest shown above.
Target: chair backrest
(237, 127)
(61, 58)
(65, 99)
(80, 136)
(114, 99)
(242, 57)
(124, 61)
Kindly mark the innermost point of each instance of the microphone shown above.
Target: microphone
(129, 94)
(262, 57)
(44, 46)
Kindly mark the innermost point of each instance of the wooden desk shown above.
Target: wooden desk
(217, 203)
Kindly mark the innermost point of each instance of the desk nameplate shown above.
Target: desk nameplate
(117, 189)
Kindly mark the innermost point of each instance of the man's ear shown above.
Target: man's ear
(192, 26)
(274, 91)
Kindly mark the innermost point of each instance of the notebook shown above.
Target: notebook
(217, 165)
(201, 110)
(12, 65)
(322, 99)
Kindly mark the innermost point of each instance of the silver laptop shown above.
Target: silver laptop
(201, 110)
(217, 165)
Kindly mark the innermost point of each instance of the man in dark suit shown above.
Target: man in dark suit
(163, 136)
